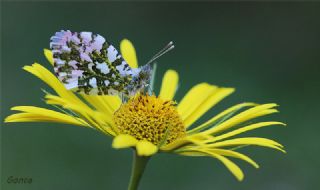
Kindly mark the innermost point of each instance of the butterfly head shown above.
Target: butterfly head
(140, 79)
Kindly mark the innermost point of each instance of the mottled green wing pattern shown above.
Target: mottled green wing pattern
(87, 63)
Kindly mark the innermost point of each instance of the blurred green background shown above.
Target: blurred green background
(268, 51)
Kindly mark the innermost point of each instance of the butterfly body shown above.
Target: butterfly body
(87, 63)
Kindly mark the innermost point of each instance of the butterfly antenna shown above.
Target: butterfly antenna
(166, 49)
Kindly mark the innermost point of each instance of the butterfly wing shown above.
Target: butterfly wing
(85, 62)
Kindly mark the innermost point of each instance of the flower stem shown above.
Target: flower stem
(138, 165)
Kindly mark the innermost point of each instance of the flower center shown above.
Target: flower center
(149, 118)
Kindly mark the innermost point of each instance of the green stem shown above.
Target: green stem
(138, 165)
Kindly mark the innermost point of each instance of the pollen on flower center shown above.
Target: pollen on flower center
(150, 118)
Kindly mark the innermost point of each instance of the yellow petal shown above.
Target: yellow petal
(79, 109)
(194, 151)
(97, 119)
(232, 167)
(100, 120)
(48, 54)
(195, 96)
(66, 95)
(113, 102)
(248, 141)
(245, 129)
(129, 53)
(181, 142)
(175, 144)
(47, 77)
(55, 100)
(246, 115)
(191, 153)
(36, 114)
(235, 154)
(146, 148)
(70, 101)
(169, 85)
(219, 116)
(106, 104)
(124, 141)
(215, 97)
(265, 112)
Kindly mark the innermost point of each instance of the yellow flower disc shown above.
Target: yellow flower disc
(150, 118)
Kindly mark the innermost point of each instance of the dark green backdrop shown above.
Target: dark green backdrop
(268, 51)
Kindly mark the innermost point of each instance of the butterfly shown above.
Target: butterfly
(87, 63)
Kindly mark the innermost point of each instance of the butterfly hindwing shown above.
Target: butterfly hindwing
(87, 63)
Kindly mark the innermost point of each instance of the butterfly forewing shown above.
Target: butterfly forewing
(87, 63)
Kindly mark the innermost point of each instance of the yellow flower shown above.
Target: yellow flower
(153, 124)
